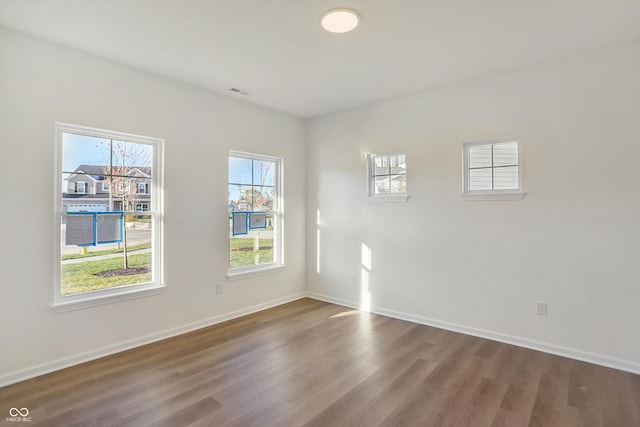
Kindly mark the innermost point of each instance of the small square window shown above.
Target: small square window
(387, 177)
(492, 170)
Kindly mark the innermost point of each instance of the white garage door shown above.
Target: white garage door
(86, 207)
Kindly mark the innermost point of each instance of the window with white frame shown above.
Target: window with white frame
(492, 170)
(255, 213)
(81, 187)
(387, 177)
(94, 224)
(143, 188)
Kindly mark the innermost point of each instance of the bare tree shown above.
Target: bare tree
(128, 164)
(258, 193)
(259, 196)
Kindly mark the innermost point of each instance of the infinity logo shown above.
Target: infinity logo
(14, 412)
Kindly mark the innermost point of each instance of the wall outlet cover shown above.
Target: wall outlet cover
(541, 308)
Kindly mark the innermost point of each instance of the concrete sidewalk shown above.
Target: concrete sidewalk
(101, 257)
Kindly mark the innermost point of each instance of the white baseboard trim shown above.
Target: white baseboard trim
(76, 359)
(572, 353)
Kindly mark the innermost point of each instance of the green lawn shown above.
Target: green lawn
(80, 277)
(244, 255)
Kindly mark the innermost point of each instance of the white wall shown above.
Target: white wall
(41, 83)
(574, 241)
(479, 267)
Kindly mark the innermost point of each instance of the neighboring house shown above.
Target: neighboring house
(241, 205)
(88, 190)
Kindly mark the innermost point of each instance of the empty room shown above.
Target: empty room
(320, 213)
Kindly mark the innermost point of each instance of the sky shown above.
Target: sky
(240, 172)
(80, 149)
(89, 150)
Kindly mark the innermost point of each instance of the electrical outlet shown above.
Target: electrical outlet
(356, 279)
(541, 308)
(218, 288)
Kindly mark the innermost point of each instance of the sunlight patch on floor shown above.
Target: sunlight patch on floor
(345, 313)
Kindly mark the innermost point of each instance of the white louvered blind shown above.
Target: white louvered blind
(493, 166)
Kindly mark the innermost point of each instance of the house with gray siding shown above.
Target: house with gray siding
(88, 189)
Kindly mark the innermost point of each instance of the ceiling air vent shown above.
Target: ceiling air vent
(236, 90)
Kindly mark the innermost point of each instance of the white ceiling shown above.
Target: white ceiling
(277, 52)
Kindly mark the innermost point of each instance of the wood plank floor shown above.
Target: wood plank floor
(316, 364)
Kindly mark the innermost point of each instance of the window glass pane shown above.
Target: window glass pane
(127, 192)
(505, 154)
(130, 159)
(265, 247)
(398, 184)
(254, 248)
(240, 198)
(381, 165)
(80, 150)
(263, 173)
(397, 164)
(505, 178)
(480, 179)
(81, 271)
(479, 156)
(240, 170)
(381, 184)
(263, 198)
(138, 195)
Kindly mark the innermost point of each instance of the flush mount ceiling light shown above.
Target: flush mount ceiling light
(339, 20)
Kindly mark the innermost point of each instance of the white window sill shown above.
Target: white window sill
(492, 196)
(388, 198)
(93, 299)
(240, 274)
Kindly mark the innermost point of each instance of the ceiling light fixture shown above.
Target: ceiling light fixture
(340, 20)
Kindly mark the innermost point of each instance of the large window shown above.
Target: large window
(255, 213)
(387, 175)
(492, 170)
(108, 244)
